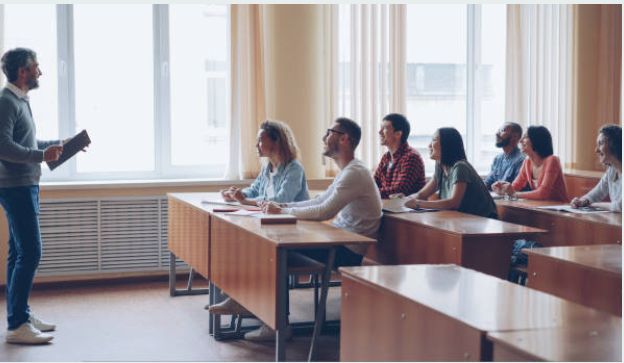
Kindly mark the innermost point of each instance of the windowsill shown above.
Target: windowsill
(117, 184)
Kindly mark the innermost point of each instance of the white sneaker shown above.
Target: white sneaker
(266, 334)
(27, 334)
(40, 324)
(228, 307)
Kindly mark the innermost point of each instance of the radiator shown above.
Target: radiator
(103, 235)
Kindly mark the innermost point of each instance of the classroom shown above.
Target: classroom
(292, 182)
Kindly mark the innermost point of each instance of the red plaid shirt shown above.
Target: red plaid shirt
(407, 174)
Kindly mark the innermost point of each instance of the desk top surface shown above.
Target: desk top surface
(299, 235)
(462, 224)
(600, 257)
(484, 302)
(608, 218)
(580, 343)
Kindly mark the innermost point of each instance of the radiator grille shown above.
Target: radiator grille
(104, 235)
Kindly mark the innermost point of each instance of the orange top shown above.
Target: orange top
(550, 185)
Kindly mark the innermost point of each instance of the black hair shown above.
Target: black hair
(451, 146)
(613, 134)
(352, 129)
(15, 59)
(399, 123)
(541, 140)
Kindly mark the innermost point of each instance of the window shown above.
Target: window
(152, 93)
(454, 74)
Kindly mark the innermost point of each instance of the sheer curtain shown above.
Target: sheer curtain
(541, 69)
(248, 90)
(366, 50)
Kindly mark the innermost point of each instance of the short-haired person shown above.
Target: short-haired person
(401, 169)
(21, 155)
(507, 164)
(353, 197)
(609, 151)
(461, 188)
(541, 170)
(282, 178)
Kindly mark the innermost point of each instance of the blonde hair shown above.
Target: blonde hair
(280, 133)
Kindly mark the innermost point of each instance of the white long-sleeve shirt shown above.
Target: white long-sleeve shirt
(609, 185)
(354, 196)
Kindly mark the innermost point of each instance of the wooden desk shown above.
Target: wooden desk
(565, 229)
(588, 275)
(248, 261)
(441, 313)
(471, 241)
(590, 342)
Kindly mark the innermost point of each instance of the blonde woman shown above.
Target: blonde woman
(282, 178)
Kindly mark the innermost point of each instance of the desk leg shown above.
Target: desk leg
(189, 286)
(282, 290)
(211, 301)
(320, 314)
(172, 274)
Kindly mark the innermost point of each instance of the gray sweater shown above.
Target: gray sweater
(20, 152)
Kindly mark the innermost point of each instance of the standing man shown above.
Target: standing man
(20, 157)
(401, 169)
(506, 165)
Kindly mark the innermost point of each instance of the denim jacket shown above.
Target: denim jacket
(289, 184)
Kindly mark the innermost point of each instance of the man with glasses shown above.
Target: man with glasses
(506, 165)
(21, 155)
(353, 196)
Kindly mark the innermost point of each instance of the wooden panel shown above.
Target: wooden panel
(188, 235)
(505, 354)
(245, 267)
(379, 326)
(579, 185)
(401, 242)
(589, 342)
(591, 287)
(488, 254)
(565, 229)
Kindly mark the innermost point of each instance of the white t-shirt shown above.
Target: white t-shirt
(354, 196)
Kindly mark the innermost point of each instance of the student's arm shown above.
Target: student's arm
(411, 175)
(253, 190)
(597, 194)
(552, 172)
(427, 190)
(459, 189)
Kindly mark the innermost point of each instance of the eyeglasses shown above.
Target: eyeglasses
(329, 131)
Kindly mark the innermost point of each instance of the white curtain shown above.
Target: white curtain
(248, 106)
(540, 82)
(362, 64)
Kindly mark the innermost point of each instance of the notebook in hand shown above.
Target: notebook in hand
(71, 148)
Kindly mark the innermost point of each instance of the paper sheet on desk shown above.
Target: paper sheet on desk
(220, 202)
(245, 212)
(567, 208)
(396, 206)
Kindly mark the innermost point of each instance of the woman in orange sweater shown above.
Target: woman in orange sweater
(541, 170)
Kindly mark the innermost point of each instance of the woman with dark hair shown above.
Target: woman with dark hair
(461, 188)
(609, 151)
(541, 170)
(282, 178)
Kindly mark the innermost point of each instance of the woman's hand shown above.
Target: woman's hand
(503, 188)
(397, 196)
(237, 194)
(270, 208)
(225, 194)
(579, 203)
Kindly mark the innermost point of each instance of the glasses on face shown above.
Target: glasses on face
(329, 131)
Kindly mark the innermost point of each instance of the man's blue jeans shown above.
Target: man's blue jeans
(21, 205)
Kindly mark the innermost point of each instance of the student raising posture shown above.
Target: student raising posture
(541, 170)
(461, 188)
(609, 151)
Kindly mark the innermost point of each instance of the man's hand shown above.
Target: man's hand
(52, 153)
(270, 208)
(579, 203)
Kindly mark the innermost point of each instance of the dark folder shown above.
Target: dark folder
(71, 148)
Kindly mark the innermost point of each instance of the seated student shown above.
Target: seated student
(401, 169)
(461, 188)
(506, 165)
(609, 150)
(353, 196)
(541, 170)
(282, 178)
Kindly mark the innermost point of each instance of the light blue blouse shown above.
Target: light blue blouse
(289, 184)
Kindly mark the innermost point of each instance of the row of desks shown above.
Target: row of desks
(449, 313)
